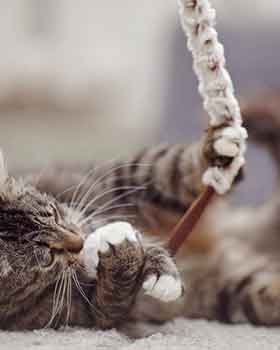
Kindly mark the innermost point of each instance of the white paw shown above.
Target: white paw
(167, 288)
(100, 241)
(229, 140)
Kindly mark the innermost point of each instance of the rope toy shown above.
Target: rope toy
(216, 89)
(198, 19)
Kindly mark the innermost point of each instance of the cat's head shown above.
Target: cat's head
(37, 236)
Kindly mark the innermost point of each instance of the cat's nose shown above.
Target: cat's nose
(69, 241)
(73, 242)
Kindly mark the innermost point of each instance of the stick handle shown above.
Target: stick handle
(186, 225)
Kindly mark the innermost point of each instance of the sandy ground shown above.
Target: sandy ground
(177, 335)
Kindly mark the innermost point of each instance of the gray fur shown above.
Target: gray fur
(44, 221)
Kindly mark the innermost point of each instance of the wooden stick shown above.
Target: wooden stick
(186, 225)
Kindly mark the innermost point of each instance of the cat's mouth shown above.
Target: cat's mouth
(70, 258)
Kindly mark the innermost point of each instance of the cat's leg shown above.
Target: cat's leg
(168, 176)
(234, 284)
(161, 277)
(173, 181)
(261, 300)
(248, 286)
(123, 268)
(254, 298)
(155, 186)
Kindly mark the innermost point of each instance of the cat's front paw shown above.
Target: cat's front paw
(165, 288)
(224, 144)
(113, 255)
(162, 279)
(103, 240)
(223, 151)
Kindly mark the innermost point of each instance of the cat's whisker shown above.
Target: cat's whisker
(77, 283)
(57, 297)
(99, 180)
(68, 296)
(53, 314)
(96, 168)
(64, 290)
(108, 219)
(62, 298)
(80, 184)
(68, 189)
(41, 173)
(113, 207)
(84, 196)
(84, 283)
(115, 199)
(80, 289)
(83, 181)
(111, 175)
(96, 188)
(103, 194)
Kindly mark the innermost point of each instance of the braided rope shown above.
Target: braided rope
(198, 20)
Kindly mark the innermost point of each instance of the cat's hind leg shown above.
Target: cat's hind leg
(238, 285)
(253, 298)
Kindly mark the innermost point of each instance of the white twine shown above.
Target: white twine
(198, 20)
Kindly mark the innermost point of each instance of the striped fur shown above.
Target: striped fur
(229, 269)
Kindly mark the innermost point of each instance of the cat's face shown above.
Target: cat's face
(37, 238)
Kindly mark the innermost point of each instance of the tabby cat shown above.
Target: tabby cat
(228, 271)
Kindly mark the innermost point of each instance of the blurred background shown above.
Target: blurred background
(95, 80)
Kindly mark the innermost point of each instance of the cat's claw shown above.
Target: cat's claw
(101, 240)
(165, 288)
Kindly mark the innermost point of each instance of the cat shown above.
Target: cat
(227, 271)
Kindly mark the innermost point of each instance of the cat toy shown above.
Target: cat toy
(198, 19)
(216, 89)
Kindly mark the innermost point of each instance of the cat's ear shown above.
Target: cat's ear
(3, 169)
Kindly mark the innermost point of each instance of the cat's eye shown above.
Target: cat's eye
(49, 260)
(45, 213)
